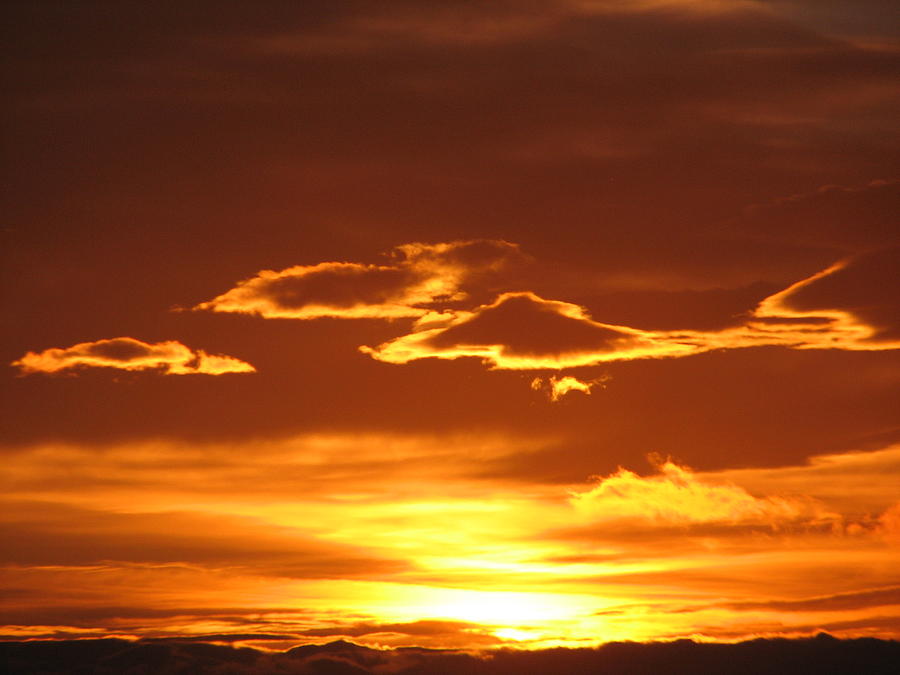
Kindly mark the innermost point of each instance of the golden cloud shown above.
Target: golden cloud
(854, 305)
(833, 309)
(524, 331)
(625, 556)
(421, 274)
(890, 524)
(850, 482)
(125, 353)
(678, 495)
(557, 387)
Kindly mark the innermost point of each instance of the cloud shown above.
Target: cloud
(854, 304)
(850, 305)
(339, 290)
(851, 482)
(557, 387)
(47, 534)
(325, 466)
(425, 633)
(678, 495)
(421, 274)
(890, 524)
(822, 653)
(524, 331)
(125, 353)
(252, 543)
(827, 603)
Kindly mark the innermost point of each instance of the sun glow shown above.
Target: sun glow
(499, 607)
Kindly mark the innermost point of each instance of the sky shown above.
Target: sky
(450, 324)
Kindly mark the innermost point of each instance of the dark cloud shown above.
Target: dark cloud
(859, 626)
(412, 628)
(829, 603)
(823, 654)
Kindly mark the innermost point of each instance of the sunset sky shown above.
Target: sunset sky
(451, 324)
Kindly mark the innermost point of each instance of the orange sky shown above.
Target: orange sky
(451, 324)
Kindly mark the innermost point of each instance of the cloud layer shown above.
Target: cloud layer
(170, 657)
(180, 536)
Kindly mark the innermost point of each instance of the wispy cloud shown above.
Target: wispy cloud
(677, 495)
(524, 331)
(841, 307)
(125, 353)
(853, 305)
(418, 275)
(557, 387)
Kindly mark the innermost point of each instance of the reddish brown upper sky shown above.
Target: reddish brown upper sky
(415, 219)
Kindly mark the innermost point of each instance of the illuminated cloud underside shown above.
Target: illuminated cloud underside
(521, 330)
(421, 274)
(854, 304)
(125, 353)
(525, 331)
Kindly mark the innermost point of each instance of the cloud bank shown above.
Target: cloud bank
(822, 653)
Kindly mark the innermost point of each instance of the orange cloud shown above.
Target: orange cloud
(625, 557)
(678, 495)
(557, 387)
(525, 331)
(125, 353)
(854, 304)
(833, 309)
(421, 274)
(850, 482)
(890, 524)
